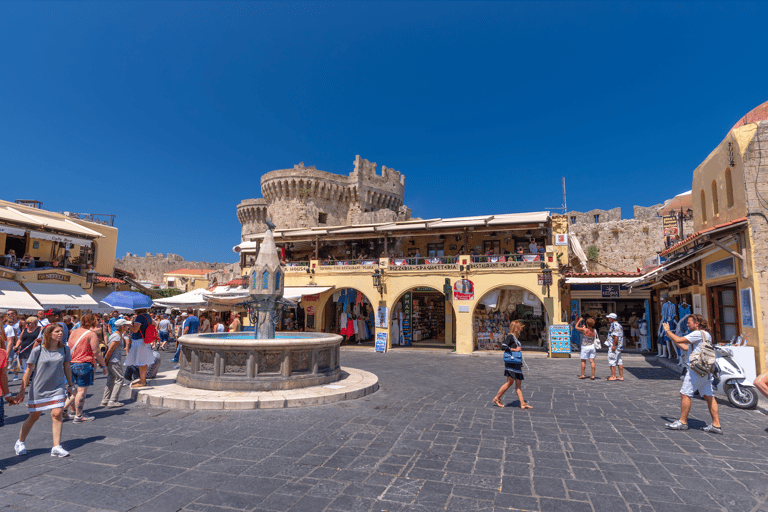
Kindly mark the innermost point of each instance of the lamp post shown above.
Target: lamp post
(377, 282)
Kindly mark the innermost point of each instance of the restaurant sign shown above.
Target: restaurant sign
(670, 225)
(52, 277)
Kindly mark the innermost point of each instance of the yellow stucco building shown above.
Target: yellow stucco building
(439, 282)
(722, 269)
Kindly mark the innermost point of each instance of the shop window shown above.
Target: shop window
(703, 207)
(435, 250)
(728, 188)
(597, 218)
(322, 218)
(715, 205)
(573, 219)
(492, 245)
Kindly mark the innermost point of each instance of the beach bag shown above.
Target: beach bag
(703, 362)
(150, 335)
(513, 357)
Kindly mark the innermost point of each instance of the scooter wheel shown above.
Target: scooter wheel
(747, 399)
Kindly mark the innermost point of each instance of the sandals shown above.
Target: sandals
(592, 378)
(582, 377)
(497, 402)
(526, 406)
(139, 385)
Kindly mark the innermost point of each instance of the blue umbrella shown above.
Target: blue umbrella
(127, 300)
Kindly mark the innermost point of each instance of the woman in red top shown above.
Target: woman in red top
(84, 345)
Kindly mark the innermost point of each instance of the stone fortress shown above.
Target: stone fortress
(151, 267)
(306, 197)
(622, 245)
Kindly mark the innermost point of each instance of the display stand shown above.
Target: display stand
(559, 340)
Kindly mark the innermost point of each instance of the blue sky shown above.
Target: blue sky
(167, 113)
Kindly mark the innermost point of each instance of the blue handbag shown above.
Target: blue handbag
(513, 357)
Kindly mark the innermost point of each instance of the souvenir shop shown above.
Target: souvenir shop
(350, 314)
(673, 308)
(498, 308)
(596, 297)
(419, 318)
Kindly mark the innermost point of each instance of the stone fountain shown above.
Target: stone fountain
(239, 361)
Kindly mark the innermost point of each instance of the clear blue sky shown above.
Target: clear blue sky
(167, 114)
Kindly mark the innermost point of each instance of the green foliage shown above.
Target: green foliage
(592, 253)
(168, 292)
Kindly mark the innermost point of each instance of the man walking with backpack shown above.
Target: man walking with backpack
(694, 342)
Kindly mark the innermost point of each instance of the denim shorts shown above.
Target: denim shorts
(82, 374)
(162, 335)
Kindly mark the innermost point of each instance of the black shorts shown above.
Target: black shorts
(514, 371)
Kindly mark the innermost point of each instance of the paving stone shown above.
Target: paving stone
(419, 444)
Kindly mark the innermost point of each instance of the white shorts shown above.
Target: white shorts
(695, 382)
(634, 333)
(614, 358)
(588, 351)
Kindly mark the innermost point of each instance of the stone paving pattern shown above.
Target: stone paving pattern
(428, 440)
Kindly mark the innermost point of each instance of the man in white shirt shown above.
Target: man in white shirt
(692, 381)
(533, 248)
(616, 345)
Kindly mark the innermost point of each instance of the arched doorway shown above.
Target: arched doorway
(349, 313)
(500, 306)
(422, 317)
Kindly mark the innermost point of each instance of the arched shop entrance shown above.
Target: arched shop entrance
(421, 317)
(349, 313)
(500, 306)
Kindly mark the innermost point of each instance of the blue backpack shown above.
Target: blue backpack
(513, 357)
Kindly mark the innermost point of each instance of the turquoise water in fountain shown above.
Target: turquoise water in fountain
(249, 335)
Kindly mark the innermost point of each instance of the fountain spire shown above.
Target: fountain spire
(266, 288)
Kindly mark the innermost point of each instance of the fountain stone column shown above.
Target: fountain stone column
(266, 289)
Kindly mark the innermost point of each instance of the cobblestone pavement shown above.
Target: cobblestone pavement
(428, 440)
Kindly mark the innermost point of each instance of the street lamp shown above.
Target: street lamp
(377, 282)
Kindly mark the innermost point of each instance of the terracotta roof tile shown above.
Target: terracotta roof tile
(696, 235)
(107, 279)
(757, 114)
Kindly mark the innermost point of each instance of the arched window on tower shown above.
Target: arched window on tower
(728, 188)
(715, 205)
(703, 207)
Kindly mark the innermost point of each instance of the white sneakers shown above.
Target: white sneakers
(58, 451)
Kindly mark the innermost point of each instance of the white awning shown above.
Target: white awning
(13, 296)
(599, 280)
(8, 230)
(59, 238)
(297, 292)
(61, 296)
(246, 247)
(193, 299)
(54, 221)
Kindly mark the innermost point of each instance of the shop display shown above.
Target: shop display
(500, 307)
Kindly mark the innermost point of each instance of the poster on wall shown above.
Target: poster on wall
(382, 317)
(381, 342)
(747, 315)
(575, 309)
(670, 225)
(463, 289)
(697, 304)
(561, 239)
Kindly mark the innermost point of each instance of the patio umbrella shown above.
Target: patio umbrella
(128, 300)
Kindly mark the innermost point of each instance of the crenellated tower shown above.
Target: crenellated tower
(307, 197)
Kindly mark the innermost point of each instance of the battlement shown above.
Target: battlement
(367, 171)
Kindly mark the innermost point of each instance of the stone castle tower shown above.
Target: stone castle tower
(304, 197)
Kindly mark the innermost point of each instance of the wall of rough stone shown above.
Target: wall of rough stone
(756, 177)
(589, 217)
(646, 212)
(623, 244)
(151, 267)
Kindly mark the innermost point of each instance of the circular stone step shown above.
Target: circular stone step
(164, 392)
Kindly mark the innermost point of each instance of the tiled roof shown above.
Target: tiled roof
(757, 114)
(698, 234)
(129, 274)
(236, 282)
(107, 279)
(190, 271)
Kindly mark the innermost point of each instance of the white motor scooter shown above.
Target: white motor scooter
(730, 379)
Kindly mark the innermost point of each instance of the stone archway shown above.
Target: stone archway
(498, 306)
(427, 318)
(327, 311)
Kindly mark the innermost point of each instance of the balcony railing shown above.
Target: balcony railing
(421, 264)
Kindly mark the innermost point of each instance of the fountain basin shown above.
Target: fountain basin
(236, 361)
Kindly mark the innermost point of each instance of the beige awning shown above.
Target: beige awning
(61, 296)
(13, 296)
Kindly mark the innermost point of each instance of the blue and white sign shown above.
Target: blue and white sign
(381, 342)
(609, 291)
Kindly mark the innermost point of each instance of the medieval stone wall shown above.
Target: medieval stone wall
(756, 178)
(589, 217)
(307, 197)
(152, 267)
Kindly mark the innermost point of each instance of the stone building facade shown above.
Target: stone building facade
(307, 197)
(151, 267)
